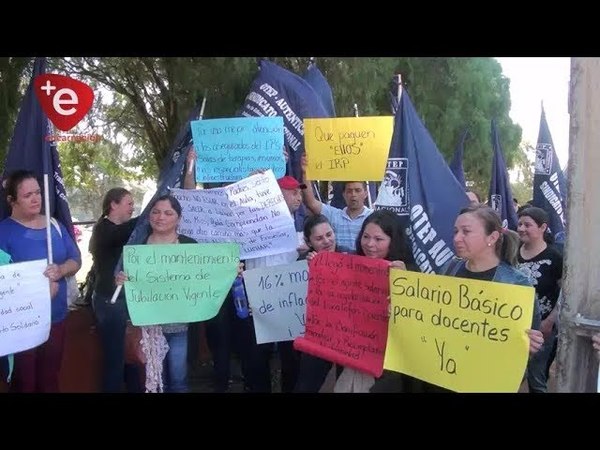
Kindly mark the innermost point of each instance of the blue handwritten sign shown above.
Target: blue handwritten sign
(231, 149)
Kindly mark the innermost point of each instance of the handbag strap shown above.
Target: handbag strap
(54, 223)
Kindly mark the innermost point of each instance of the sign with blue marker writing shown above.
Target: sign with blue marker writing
(277, 296)
(24, 306)
(231, 149)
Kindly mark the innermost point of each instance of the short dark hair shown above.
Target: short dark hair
(540, 217)
(113, 195)
(172, 200)
(312, 221)
(344, 183)
(14, 180)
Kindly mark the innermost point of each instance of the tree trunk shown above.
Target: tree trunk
(576, 364)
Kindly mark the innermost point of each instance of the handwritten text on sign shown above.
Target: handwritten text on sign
(277, 296)
(231, 149)
(24, 306)
(348, 148)
(347, 311)
(178, 283)
(461, 334)
(251, 212)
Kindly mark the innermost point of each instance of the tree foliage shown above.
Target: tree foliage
(152, 97)
(92, 168)
(12, 84)
(522, 188)
(146, 100)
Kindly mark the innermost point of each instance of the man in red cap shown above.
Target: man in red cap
(292, 192)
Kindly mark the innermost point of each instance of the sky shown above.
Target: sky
(533, 80)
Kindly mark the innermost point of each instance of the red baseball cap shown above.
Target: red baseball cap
(290, 183)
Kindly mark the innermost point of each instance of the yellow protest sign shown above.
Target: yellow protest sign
(464, 335)
(347, 148)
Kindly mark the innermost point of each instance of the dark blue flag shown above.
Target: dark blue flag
(279, 92)
(456, 165)
(549, 185)
(319, 83)
(419, 187)
(182, 141)
(30, 150)
(500, 196)
(317, 80)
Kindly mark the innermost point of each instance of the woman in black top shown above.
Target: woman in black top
(542, 263)
(110, 234)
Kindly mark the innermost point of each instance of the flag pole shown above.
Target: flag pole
(200, 116)
(47, 210)
(315, 183)
(46, 166)
(368, 189)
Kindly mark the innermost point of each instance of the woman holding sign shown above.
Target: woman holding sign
(487, 252)
(484, 252)
(319, 237)
(165, 214)
(381, 237)
(23, 236)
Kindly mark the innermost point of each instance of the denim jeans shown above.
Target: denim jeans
(111, 321)
(175, 363)
(537, 367)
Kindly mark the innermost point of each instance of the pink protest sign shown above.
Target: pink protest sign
(347, 311)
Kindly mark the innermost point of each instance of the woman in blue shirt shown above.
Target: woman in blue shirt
(23, 237)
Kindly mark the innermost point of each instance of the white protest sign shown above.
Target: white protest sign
(277, 297)
(251, 212)
(24, 306)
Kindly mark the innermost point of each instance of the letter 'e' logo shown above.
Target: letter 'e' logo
(64, 100)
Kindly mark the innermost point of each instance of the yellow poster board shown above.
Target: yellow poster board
(464, 335)
(347, 148)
